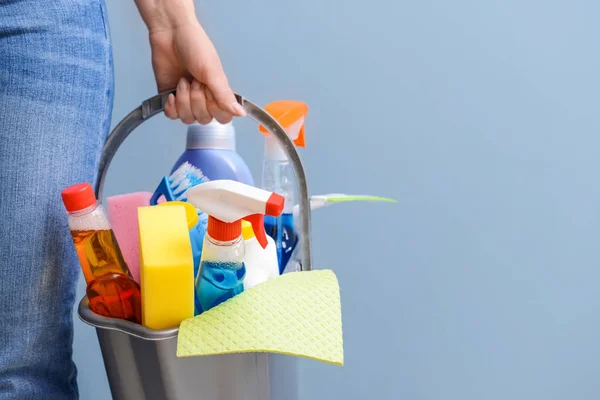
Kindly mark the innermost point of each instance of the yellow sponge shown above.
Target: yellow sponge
(166, 267)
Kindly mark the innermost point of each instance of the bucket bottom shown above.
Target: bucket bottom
(149, 369)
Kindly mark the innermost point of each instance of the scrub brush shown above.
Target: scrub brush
(294, 264)
(175, 186)
(325, 200)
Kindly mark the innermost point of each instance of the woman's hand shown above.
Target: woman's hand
(183, 56)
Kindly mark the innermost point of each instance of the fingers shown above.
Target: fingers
(182, 101)
(223, 96)
(198, 103)
(214, 109)
(196, 57)
(170, 108)
(201, 60)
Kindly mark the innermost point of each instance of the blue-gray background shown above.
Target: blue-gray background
(481, 118)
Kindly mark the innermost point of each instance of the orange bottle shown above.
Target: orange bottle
(111, 290)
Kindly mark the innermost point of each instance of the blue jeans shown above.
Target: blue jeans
(56, 90)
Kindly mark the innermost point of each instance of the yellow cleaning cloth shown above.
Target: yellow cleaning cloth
(297, 314)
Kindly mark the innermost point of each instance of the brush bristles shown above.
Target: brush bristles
(185, 177)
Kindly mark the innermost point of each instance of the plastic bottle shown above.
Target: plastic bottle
(111, 290)
(278, 175)
(222, 270)
(261, 264)
(211, 148)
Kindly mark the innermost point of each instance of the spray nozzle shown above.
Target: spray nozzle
(291, 115)
(258, 226)
(228, 202)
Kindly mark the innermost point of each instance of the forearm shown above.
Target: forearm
(161, 15)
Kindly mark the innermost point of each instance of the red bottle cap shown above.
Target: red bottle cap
(274, 205)
(224, 231)
(78, 197)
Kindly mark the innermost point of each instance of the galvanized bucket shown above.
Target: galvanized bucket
(141, 363)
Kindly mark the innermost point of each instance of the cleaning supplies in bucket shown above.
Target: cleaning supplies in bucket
(197, 229)
(211, 149)
(111, 290)
(261, 263)
(297, 314)
(210, 155)
(319, 201)
(123, 218)
(174, 187)
(278, 174)
(324, 200)
(167, 266)
(227, 202)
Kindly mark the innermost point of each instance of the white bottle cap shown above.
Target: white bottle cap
(213, 135)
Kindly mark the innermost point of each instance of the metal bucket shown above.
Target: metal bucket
(141, 363)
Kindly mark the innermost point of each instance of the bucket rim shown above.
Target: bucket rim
(129, 328)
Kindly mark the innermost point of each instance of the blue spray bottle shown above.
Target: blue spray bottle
(222, 270)
(278, 175)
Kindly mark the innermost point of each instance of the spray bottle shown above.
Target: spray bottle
(278, 175)
(227, 202)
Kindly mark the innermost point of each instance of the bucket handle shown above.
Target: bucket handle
(155, 105)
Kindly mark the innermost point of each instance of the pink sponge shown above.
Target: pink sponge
(123, 217)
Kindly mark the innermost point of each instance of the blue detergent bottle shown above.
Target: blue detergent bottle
(222, 270)
(211, 148)
(278, 175)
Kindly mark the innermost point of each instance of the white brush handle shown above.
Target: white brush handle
(155, 105)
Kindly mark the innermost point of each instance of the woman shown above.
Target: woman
(56, 89)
